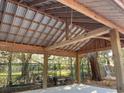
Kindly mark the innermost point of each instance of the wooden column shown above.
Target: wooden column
(45, 71)
(78, 78)
(118, 62)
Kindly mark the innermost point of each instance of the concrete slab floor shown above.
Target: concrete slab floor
(75, 88)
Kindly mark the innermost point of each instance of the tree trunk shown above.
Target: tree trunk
(10, 69)
(25, 64)
(94, 66)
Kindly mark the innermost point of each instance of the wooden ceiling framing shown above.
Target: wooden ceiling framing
(85, 10)
(80, 38)
(52, 26)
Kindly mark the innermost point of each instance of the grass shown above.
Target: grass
(4, 75)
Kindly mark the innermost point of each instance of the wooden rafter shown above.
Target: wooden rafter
(88, 12)
(95, 33)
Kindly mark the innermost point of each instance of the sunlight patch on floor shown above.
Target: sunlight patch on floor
(75, 88)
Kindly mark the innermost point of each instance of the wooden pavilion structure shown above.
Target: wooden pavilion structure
(65, 28)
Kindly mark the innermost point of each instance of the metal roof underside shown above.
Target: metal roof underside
(23, 25)
(107, 8)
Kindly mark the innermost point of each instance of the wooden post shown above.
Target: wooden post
(118, 62)
(45, 71)
(78, 78)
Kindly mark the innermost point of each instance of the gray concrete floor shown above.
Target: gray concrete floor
(75, 88)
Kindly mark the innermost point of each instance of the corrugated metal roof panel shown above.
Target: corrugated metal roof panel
(26, 24)
(53, 31)
(36, 35)
(33, 26)
(2, 4)
(62, 35)
(17, 21)
(48, 38)
(21, 11)
(18, 39)
(42, 36)
(63, 26)
(52, 22)
(11, 8)
(30, 14)
(25, 40)
(10, 37)
(2, 36)
(72, 30)
(7, 19)
(22, 31)
(78, 30)
(14, 30)
(47, 30)
(33, 40)
(38, 17)
(39, 42)
(44, 43)
(58, 24)
(29, 34)
(5, 28)
(41, 28)
(45, 20)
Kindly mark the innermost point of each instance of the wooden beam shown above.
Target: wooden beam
(118, 60)
(88, 12)
(13, 47)
(45, 71)
(120, 3)
(91, 34)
